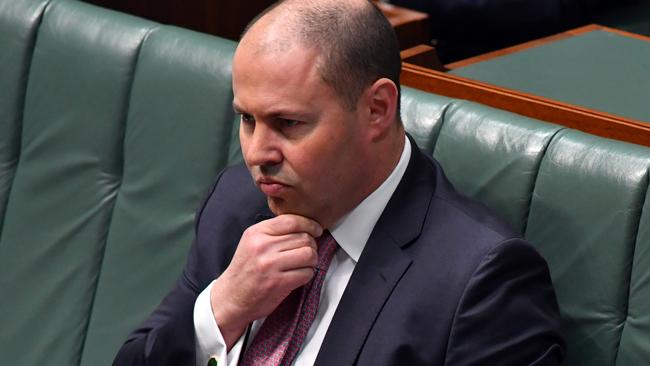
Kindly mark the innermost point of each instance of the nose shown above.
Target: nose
(260, 145)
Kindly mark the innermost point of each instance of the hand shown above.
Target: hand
(272, 259)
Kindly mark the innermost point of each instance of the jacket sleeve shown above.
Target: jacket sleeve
(167, 336)
(508, 313)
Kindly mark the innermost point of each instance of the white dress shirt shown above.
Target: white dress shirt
(351, 233)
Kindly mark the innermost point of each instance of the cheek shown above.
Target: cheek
(310, 168)
(325, 159)
(315, 167)
(243, 142)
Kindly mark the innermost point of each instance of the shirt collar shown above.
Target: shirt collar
(353, 230)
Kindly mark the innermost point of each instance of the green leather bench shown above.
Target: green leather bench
(112, 128)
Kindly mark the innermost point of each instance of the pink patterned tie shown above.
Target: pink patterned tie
(281, 335)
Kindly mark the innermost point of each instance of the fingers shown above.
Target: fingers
(293, 241)
(298, 258)
(298, 277)
(289, 224)
(273, 258)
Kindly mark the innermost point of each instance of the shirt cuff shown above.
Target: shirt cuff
(209, 341)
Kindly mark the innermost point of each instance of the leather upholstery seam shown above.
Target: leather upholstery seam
(124, 118)
(443, 122)
(21, 120)
(626, 306)
(535, 179)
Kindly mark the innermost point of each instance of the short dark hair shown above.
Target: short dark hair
(357, 45)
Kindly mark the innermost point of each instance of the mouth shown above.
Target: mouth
(271, 187)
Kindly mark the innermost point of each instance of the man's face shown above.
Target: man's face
(304, 150)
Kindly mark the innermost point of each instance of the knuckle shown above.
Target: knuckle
(297, 278)
(249, 237)
(251, 230)
(292, 224)
(300, 255)
(256, 247)
(305, 239)
(264, 266)
(272, 282)
(314, 258)
(306, 274)
(310, 255)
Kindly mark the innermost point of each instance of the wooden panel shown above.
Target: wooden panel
(590, 121)
(423, 55)
(228, 18)
(540, 42)
(584, 119)
(222, 18)
(411, 27)
(523, 46)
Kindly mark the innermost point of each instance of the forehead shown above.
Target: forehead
(263, 77)
(274, 57)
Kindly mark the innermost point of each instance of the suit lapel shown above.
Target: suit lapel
(381, 265)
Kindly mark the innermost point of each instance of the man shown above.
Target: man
(341, 243)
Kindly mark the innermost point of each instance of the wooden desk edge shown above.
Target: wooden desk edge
(399, 16)
(542, 41)
(586, 120)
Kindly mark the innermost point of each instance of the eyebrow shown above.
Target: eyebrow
(236, 108)
(277, 113)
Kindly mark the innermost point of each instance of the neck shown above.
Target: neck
(384, 157)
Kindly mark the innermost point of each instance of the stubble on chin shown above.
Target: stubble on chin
(280, 206)
(275, 205)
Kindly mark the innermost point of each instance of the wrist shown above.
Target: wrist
(231, 322)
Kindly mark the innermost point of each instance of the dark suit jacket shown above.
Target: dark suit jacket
(441, 281)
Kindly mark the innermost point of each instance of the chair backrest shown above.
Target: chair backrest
(111, 130)
(579, 198)
(112, 127)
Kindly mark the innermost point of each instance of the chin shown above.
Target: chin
(279, 206)
(282, 207)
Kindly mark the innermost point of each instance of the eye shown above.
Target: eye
(290, 122)
(246, 118)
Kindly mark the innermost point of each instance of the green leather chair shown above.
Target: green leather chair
(112, 128)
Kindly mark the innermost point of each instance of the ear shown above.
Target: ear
(382, 102)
